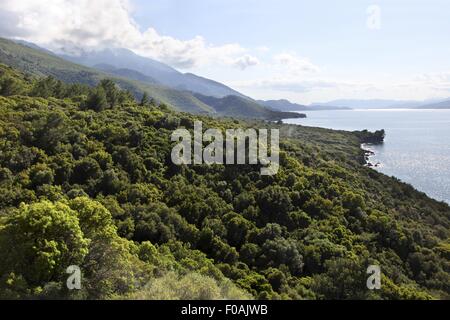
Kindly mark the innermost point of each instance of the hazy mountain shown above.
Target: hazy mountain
(234, 106)
(378, 103)
(439, 105)
(126, 73)
(38, 62)
(285, 105)
(33, 46)
(417, 104)
(282, 105)
(208, 87)
(165, 75)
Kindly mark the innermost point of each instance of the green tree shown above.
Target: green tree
(112, 94)
(145, 101)
(39, 241)
(97, 99)
(10, 86)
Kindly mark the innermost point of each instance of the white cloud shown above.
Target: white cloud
(75, 25)
(439, 81)
(295, 64)
(288, 72)
(246, 61)
(306, 89)
(291, 75)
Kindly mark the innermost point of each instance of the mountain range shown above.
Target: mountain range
(149, 76)
(124, 59)
(235, 106)
(388, 104)
(285, 105)
(182, 91)
(439, 105)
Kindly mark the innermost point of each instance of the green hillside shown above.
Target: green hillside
(86, 179)
(39, 63)
(234, 106)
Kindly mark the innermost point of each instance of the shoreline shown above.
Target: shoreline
(368, 154)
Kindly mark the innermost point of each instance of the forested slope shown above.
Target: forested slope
(86, 179)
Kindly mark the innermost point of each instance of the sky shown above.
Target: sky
(304, 51)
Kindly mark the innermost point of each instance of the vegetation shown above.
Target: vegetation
(86, 179)
(235, 106)
(376, 137)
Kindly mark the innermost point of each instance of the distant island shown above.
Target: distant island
(439, 105)
(286, 106)
(385, 104)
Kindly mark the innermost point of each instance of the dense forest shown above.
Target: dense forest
(86, 179)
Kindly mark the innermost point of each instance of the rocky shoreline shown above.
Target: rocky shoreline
(368, 153)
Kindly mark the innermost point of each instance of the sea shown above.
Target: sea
(417, 145)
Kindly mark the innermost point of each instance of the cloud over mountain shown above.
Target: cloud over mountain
(71, 26)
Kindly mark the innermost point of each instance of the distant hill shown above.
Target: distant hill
(439, 105)
(285, 105)
(282, 105)
(126, 73)
(234, 106)
(378, 103)
(363, 104)
(33, 46)
(164, 74)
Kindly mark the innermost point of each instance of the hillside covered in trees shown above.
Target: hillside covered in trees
(86, 179)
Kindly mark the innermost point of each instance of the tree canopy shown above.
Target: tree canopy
(86, 179)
